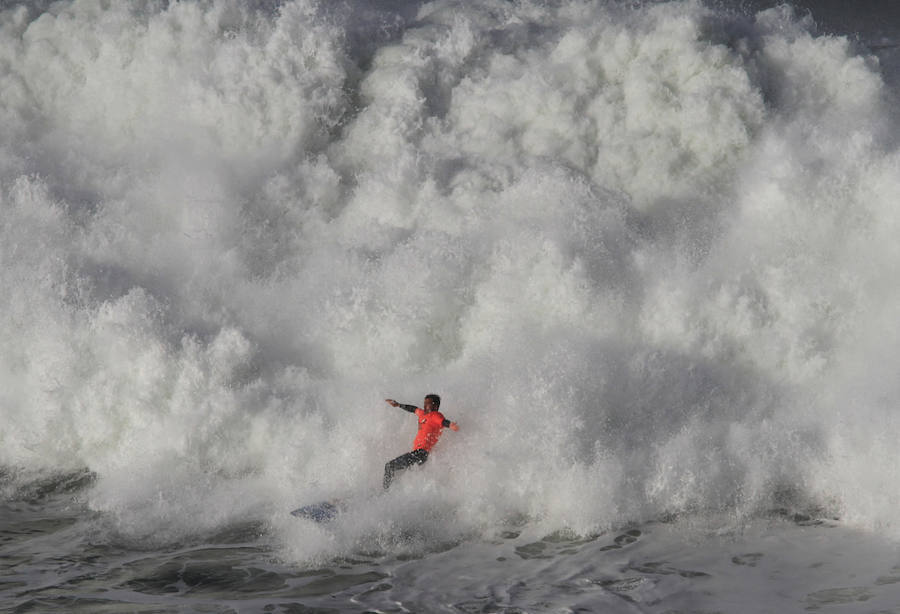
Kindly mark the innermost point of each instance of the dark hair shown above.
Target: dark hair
(435, 398)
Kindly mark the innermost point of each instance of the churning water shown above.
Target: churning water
(646, 252)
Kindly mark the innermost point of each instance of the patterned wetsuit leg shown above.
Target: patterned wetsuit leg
(416, 457)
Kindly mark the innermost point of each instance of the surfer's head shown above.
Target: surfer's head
(432, 402)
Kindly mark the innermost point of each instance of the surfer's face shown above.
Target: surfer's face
(428, 405)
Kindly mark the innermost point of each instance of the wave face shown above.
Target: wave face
(646, 253)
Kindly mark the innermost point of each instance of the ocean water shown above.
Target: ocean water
(646, 252)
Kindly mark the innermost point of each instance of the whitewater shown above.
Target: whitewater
(646, 252)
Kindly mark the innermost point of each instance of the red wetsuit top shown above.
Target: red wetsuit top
(430, 426)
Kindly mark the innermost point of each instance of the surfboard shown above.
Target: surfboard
(319, 512)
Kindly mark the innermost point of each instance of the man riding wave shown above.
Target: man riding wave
(431, 425)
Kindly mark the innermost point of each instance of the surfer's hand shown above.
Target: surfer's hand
(391, 402)
(454, 426)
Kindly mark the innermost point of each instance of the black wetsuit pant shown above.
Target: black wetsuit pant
(404, 461)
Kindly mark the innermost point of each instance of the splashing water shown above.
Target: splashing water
(646, 254)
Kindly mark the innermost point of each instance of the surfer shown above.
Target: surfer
(431, 424)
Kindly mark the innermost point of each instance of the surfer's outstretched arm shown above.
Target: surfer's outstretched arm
(453, 426)
(409, 408)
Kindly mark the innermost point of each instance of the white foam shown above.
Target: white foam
(646, 255)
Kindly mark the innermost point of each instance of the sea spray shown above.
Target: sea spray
(644, 253)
